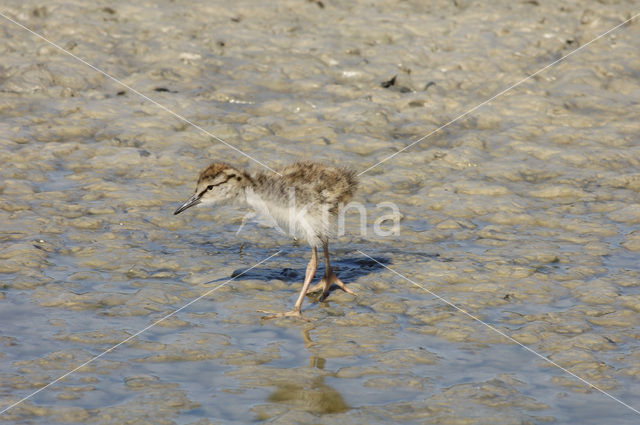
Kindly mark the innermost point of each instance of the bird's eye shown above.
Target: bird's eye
(210, 187)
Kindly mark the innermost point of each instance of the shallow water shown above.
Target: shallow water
(525, 213)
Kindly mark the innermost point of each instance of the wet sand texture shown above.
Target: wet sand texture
(524, 213)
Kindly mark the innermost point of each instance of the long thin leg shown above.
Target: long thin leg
(329, 277)
(320, 286)
(327, 264)
(311, 271)
(312, 265)
(297, 308)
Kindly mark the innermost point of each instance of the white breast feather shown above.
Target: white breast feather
(303, 222)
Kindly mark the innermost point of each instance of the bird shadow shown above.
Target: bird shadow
(348, 269)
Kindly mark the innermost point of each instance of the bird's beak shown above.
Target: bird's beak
(194, 200)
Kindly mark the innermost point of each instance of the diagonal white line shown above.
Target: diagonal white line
(463, 311)
(498, 95)
(159, 105)
(136, 334)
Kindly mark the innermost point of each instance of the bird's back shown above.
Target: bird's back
(320, 184)
(301, 197)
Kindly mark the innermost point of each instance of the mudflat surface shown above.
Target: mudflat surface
(524, 213)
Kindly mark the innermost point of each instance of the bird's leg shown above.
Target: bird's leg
(329, 277)
(318, 286)
(297, 308)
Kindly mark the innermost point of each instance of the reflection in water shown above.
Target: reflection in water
(317, 397)
(306, 337)
(317, 362)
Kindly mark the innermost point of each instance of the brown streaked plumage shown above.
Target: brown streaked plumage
(304, 200)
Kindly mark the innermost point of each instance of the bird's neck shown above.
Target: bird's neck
(267, 192)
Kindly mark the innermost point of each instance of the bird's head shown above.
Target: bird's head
(217, 184)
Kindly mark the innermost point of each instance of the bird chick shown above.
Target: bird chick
(304, 199)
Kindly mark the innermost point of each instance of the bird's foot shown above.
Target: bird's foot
(325, 285)
(318, 287)
(274, 315)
